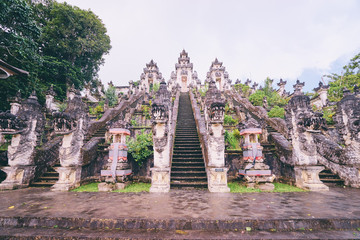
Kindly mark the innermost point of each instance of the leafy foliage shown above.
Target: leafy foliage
(273, 98)
(349, 79)
(229, 120)
(110, 95)
(245, 89)
(155, 87)
(146, 111)
(141, 147)
(57, 43)
(204, 89)
(232, 139)
(277, 112)
(97, 111)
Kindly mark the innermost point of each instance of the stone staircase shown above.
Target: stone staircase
(48, 179)
(188, 168)
(330, 178)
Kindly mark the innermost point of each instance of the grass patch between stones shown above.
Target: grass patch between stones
(134, 187)
(236, 187)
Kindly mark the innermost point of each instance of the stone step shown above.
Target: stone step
(43, 184)
(187, 168)
(187, 147)
(194, 155)
(43, 178)
(188, 163)
(189, 179)
(202, 184)
(188, 173)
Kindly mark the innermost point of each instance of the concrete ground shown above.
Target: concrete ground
(180, 214)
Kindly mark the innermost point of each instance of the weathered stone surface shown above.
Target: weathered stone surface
(26, 127)
(217, 179)
(307, 177)
(266, 187)
(160, 179)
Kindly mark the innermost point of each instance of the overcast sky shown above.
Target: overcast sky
(254, 39)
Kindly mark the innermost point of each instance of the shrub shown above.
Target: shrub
(140, 148)
(277, 112)
(146, 111)
(97, 111)
(232, 140)
(229, 120)
(328, 113)
(110, 95)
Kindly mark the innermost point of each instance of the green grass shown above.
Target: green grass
(91, 187)
(236, 187)
(134, 187)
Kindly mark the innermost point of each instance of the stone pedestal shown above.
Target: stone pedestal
(160, 180)
(17, 177)
(69, 178)
(217, 179)
(307, 177)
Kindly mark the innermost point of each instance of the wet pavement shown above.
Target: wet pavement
(182, 204)
(189, 210)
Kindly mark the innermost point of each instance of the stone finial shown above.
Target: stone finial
(321, 87)
(281, 82)
(298, 86)
(346, 92)
(237, 81)
(248, 81)
(254, 86)
(110, 84)
(161, 104)
(51, 91)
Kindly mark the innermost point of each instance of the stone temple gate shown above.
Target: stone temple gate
(190, 128)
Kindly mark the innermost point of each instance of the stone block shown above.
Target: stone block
(217, 179)
(160, 180)
(266, 187)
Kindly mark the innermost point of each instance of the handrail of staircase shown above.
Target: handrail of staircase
(201, 128)
(173, 122)
(277, 124)
(112, 113)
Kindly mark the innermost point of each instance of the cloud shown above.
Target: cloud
(253, 38)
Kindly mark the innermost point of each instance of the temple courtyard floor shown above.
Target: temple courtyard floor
(180, 214)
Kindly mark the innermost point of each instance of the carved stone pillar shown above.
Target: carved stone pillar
(302, 123)
(72, 124)
(214, 118)
(26, 127)
(160, 173)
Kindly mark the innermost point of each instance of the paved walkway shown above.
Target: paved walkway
(224, 215)
(182, 204)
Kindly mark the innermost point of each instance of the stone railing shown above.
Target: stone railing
(173, 120)
(201, 128)
(276, 123)
(111, 113)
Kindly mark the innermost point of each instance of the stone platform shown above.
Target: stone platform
(180, 214)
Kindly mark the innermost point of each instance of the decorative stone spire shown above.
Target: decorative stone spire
(298, 86)
(281, 85)
(247, 82)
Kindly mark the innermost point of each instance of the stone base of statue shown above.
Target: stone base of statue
(69, 178)
(217, 179)
(307, 177)
(111, 186)
(17, 177)
(160, 180)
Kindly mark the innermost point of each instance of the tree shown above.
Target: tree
(110, 95)
(57, 43)
(273, 98)
(73, 42)
(18, 47)
(348, 80)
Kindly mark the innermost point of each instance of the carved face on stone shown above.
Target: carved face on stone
(304, 117)
(159, 112)
(348, 116)
(216, 112)
(10, 124)
(64, 123)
